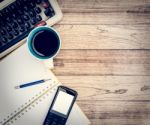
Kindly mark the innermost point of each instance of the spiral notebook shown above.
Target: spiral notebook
(29, 106)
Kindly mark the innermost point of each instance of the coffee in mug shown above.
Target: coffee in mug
(44, 42)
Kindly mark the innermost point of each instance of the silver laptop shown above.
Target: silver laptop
(19, 17)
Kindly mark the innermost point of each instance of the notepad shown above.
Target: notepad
(29, 106)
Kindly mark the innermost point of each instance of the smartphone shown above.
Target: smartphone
(61, 106)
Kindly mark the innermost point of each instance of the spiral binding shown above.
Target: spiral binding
(18, 113)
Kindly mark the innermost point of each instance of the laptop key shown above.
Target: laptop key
(10, 36)
(8, 19)
(45, 4)
(3, 32)
(25, 1)
(27, 25)
(33, 21)
(25, 8)
(54, 123)
(38, 1)
(31, 13)
(14, 25)
(26, 17)
(38, 18)
(12, 7)
(19, 21)
(16, 32)
(5, 12)
(20, 12)
(22, 29)
(4, 39)
(32, 5)
(48, 12)
(37, 10)
(14, 15)
(18, 3)
(8, 28)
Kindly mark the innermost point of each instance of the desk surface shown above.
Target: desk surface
(105, 56)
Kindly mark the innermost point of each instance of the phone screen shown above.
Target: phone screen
(63, 102)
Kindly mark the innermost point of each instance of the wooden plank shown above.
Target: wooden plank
(104, 36)
(139, 6)
(112, 24)
(119, 100)
(102, 62)
(117, 121)
(105, 18)
(113, 110)
(101, 69)
(104, 56)
(109, 88)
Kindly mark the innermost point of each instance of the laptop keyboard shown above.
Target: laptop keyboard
(19, 18)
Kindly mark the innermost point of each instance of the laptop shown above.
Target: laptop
(19, 17)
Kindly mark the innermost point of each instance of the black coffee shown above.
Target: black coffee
(45, 43)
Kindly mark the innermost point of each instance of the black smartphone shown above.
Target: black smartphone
(61, 106)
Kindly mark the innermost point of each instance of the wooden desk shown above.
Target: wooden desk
(105, 56)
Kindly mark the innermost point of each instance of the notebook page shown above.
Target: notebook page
(36, 115)
(20, 67)
(16, 69)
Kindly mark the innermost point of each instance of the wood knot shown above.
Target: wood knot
(58, 63)
(120, 91)
(145, 88)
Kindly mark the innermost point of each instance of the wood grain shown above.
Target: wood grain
(104, 36)
(110, 88)
(102, 62)
(119, 109)
(139, 6)
(105, 56)
(143, 121)
(118, 100)
(106, 18)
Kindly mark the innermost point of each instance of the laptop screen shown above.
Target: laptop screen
(4, 3)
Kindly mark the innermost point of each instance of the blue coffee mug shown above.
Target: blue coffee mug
(31, 45)
(48, 60)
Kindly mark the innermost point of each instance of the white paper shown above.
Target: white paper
(20, 67)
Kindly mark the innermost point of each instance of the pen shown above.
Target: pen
(32, 83)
